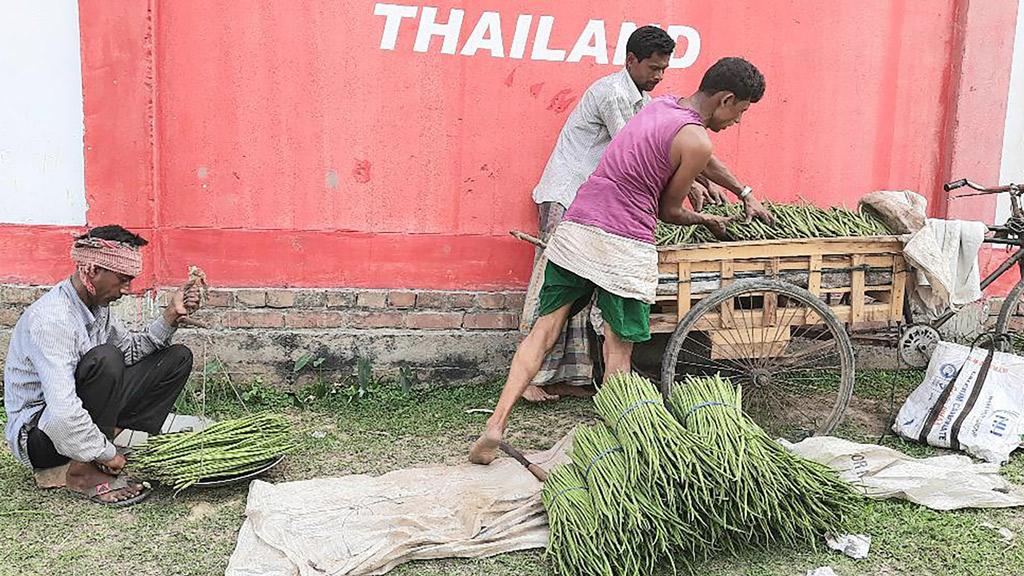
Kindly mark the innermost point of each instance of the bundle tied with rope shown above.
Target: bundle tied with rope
(682, 482)
(224, 450)
(666, 461)
(634, 524)
(573, 523)
(776, 497)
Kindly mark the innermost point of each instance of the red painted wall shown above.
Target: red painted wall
(972, 134)
(277, 144)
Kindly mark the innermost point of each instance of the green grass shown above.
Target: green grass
(194, 534)
(882, 384)
(907, 540)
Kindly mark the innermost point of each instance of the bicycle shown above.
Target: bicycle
(918, 340)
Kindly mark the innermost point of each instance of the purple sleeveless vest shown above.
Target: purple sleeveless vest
(621, 197)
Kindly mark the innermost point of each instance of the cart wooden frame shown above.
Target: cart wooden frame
(792, 287)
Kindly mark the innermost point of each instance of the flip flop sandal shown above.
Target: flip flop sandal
(93, 494)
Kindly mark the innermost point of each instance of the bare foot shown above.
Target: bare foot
(485, 449)
(537, 394)
(83, 476)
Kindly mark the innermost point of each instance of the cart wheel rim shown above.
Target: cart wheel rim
(783, 346)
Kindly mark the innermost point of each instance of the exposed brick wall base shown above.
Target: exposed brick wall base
(446, 337)
(452, 335)
(360, 309)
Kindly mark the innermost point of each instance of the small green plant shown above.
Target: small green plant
(305, 360)
(406, 380)
(259, 395)
(365, 384)
(319, 388)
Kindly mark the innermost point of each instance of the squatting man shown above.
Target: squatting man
(75, 376)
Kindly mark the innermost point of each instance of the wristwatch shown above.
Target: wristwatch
(747, 190)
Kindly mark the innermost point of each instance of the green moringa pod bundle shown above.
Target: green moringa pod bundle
(777, 497)
(575, 540)
(655, 485)
(638, 529)
(664, 459)
(792, 221)
(227, 448)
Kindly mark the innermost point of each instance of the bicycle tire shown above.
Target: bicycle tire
(1010, 304)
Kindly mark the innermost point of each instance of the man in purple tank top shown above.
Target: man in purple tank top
(604, 247)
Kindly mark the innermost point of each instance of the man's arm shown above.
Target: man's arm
(68, 425)
(138, 345)
(614, 111)
(720, 174)
(692, 148)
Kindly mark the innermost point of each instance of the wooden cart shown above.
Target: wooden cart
(776, 316)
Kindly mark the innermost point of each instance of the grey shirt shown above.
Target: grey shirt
(46, 345)
(603, 110)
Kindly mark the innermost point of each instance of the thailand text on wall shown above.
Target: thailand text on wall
(369, 144)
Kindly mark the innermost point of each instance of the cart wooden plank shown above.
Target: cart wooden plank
(863, 277)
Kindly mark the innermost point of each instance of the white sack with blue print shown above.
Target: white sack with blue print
(958, 409)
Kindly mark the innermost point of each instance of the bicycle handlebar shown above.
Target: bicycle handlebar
(950, 186)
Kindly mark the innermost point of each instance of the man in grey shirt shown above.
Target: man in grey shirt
(75, 376)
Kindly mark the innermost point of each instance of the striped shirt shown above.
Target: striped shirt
(603, 110)
(46, 346)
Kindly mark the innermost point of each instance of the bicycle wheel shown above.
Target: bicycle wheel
(783, 345)
(1010, 325)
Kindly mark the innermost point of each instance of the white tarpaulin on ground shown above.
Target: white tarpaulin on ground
(940, 483)
(369, 524)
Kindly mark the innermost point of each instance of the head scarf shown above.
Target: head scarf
(90, 253)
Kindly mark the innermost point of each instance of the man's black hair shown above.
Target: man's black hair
(734, 75)
(115, 233)
(648, 40)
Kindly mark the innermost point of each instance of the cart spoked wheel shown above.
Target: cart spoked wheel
(783, 345)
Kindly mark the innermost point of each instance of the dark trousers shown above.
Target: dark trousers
(138, 397)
